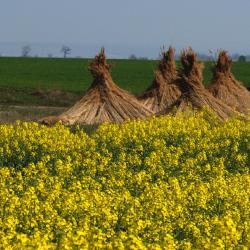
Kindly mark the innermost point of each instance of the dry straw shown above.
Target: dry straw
(104, 101)
(226, 88)
(193, 93)
(163, 92)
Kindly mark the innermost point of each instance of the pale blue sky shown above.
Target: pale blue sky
(124, 27)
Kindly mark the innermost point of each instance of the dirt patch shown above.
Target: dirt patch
(10, 114)
(39, 97)
(56, 96)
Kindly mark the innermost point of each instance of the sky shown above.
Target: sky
(124, 27)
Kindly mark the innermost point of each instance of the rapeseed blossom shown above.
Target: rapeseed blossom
(163, 183)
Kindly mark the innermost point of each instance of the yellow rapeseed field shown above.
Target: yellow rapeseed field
(164, 183)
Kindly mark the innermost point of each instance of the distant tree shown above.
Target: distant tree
(143, 58)
(50, 55)
(235, 56)
(26, 51)
(66, 50)
(204, 57)
(132, 57)
(242, 58)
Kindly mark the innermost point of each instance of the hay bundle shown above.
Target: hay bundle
(193, 93)
(104, 101)
(163, 92)
(226, 88)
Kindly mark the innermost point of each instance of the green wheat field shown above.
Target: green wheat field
(60, 82)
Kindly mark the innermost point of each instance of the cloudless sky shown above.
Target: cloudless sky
(129, 25)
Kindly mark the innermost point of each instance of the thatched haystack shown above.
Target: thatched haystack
(104, 101)
(163, 92)
(226, 88)
(193, 93)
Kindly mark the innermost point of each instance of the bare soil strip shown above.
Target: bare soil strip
(12, 113)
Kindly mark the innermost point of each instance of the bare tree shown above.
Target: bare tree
(132, 57)
(66, 50)
(26, 50)
(242, 58)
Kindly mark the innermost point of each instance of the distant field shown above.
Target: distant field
(37, 80)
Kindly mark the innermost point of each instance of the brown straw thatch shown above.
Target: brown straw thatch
(193, 93)
(226, 88)
(104, 101)
(163, 92)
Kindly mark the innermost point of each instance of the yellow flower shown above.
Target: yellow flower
(162, 183)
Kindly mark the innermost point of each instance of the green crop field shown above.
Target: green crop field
(22, 78)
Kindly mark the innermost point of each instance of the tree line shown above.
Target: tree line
(65, 50)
